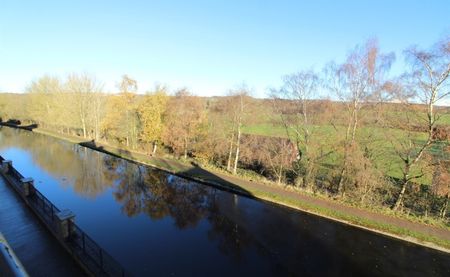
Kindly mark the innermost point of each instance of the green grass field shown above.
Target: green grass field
(445, 119)
(381, 142)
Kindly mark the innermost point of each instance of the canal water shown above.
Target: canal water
(157, 224)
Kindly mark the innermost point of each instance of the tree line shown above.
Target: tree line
(381, 140)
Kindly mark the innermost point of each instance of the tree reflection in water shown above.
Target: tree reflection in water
(138, 189)
(159, 195)
(97, 172)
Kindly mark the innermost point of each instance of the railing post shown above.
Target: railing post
(65, 221)
(6, 165)
(27, 186)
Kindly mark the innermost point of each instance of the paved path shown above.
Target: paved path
(33, 244)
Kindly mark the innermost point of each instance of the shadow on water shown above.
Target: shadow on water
(193, 173)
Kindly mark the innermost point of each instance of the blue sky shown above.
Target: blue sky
(206, 46)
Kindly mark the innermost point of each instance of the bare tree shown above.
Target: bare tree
(298, 89)
(276, 154)
(83, 88)
(185, 120)
(239, 101)
(427, 84)
(127, 85)
(357, 82)
(43, 96)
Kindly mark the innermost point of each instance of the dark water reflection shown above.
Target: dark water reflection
(158, 224)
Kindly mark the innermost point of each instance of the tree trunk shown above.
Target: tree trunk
(97, 116)
(305, 181)
(363, 197)
(238, 144)
(83, 125)
(340, 188)
(155, 145)
(443, 212)
(230, 153)
(352, 125)
(134, 134)
(96, 130)
(399, 200)
(355, 123)
(185, 148)
(280, 175)
(405, 182)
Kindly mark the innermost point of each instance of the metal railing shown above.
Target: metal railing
(44, 207)
(81, 246)
(94, 256)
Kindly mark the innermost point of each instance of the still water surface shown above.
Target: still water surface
(158, 224)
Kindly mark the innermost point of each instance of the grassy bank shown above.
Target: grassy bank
(276, 194)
